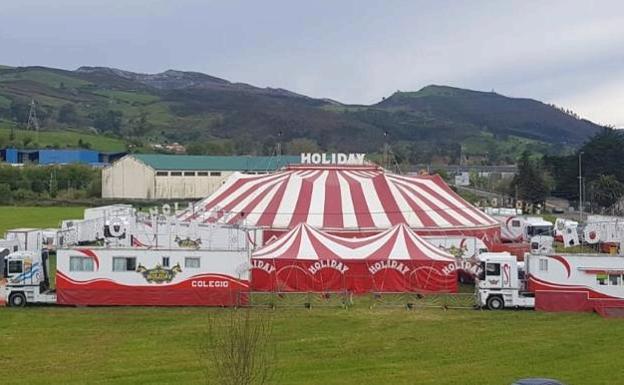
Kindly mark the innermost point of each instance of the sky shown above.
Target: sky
(570, 53)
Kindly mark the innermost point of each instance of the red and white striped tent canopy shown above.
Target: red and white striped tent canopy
(339, 198)
(307, 243)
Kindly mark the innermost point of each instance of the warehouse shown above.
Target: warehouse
(154, 176)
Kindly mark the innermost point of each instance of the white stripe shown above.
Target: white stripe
(316, 213)
(378, 213)
(289, 200)
(407, 211)
(349, 220)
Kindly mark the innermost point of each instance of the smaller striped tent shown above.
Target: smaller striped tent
(395, 260)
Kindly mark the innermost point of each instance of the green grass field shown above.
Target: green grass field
(317, 346)
(39, 217)
(361, 345)
(64, 139)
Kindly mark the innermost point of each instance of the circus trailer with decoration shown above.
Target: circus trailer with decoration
(345, 200)
(309, 260)
(162, 277)
(553, 282)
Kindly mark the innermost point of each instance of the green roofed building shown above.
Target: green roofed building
(155, 176)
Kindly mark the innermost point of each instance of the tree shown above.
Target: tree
(238, 349)
(108, 121)
(529, 182)
(67, 114)
(300, 145)
(606, 190)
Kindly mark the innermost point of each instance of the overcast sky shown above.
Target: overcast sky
(570, 53)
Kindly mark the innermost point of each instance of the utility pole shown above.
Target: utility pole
(580, 178)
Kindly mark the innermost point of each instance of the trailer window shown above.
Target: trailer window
(191, 262)
(215, 173)
(165, 262)
(202, 173)
(614, 279)
(15, 267)
(492, 269)
(80, 264)
(601, 279)
(543, 264)
(162, 173)
(124, 264)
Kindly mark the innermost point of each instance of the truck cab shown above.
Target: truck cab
(27, 279)
(501, 283)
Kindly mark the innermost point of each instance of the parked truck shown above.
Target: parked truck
(27, 278)
(551, 282)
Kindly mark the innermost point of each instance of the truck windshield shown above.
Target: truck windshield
(539, 230)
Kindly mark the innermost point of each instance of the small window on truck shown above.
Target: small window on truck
(492, 269)
(15, 267)
(601, 279)
(543, 264)
(124, 264)
(614, 279)
(515, 223)
(80, 264)
(191, 262)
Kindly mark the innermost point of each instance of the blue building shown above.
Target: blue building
(54, 156)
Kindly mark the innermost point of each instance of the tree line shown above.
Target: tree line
(32, 183)
(601, 159)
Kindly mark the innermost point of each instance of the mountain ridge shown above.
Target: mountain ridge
(435, 122)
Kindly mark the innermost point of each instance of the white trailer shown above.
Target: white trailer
(516, 228)
(552, 282)
(28, 239)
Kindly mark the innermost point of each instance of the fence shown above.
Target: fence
(345, 299)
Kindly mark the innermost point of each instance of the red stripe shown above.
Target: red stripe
(384, 251)
(422, 213)
(362, 213)
(268, 216)
(302, 208)
(251, 205)
(458, 210)
(332, 214)
(322, 251)
(483, 218)
(391, 208)
(235, 187)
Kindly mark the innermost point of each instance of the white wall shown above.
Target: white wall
(128, 178)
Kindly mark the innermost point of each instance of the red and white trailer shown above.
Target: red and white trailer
(129, 276)
(553, 282)
(165, 277)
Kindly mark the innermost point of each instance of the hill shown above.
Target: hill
(214, 115)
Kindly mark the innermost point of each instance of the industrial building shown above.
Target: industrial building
(17, 156)
(153, 176)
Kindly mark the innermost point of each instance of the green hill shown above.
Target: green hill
(217, 116)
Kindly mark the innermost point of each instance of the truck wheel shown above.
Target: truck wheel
(17, 300)
(495, 303)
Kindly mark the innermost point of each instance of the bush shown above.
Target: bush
(6, 195)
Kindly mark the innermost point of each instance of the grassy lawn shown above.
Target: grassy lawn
(64, 139)
(320, 346)
(39, 217)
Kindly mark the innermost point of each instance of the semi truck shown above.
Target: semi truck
(27, 278)
(551, 282)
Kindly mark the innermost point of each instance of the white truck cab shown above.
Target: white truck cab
(26, 275)
(501, 283)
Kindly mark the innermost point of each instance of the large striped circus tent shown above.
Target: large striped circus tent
(396, 260)
(353, 199)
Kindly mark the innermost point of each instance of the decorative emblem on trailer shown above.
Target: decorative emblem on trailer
(188, 243)
(159, 274)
